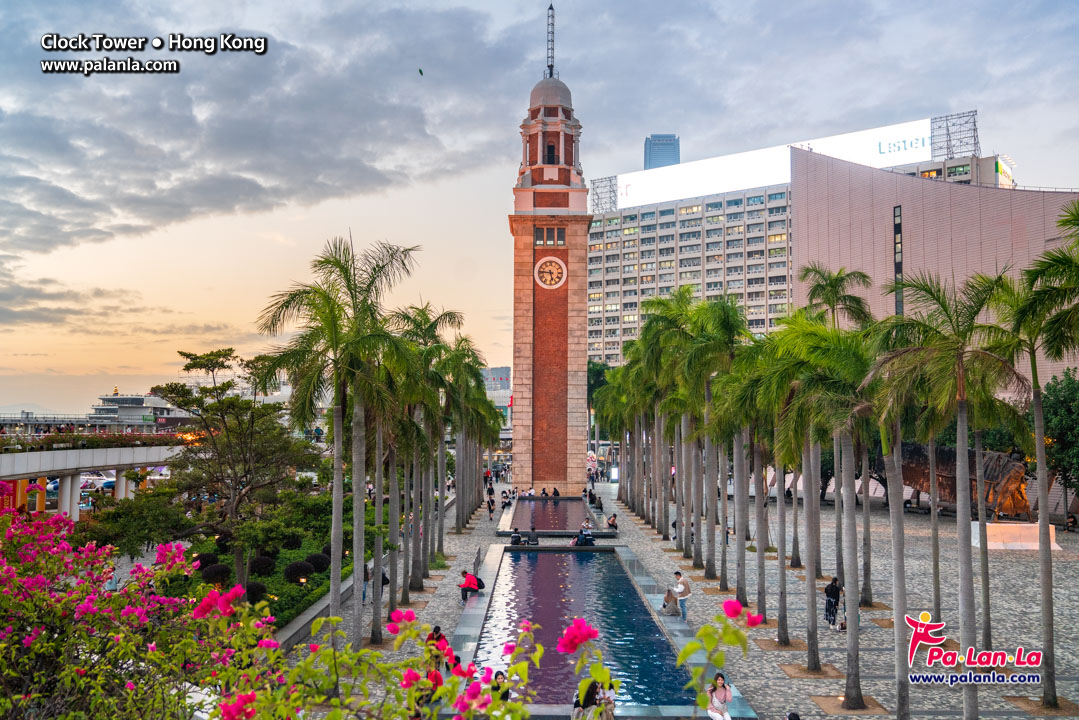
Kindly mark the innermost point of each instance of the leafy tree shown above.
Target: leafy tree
(241, 450)
(133, 525)
(1061, 407)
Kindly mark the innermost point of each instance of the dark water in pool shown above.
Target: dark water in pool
(549, 514)
(552, 588)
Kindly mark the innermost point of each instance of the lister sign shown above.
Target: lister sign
(882, 147)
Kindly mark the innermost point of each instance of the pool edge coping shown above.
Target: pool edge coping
(466, 634)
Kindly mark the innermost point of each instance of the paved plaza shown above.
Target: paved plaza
(758, 676)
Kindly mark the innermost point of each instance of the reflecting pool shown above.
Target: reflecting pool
(552, 588)
(549, 514)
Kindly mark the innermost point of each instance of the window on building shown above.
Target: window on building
(667, 212)
(629, 218)
(648, 228)
(690, 223)
(734, 202)
(692, 235)
(734, 216)
(629, 231)
(648, 216)
(774, 197)
(777, 225)
(958, 170)
(552, 155)
(777, 238)
(629, 268)
(689, 210)
(713, 207)
(897, 223)
(934, 173)
(754, 200)
(669, 225)
(781, 210)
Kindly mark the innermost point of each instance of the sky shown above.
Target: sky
(145, 214)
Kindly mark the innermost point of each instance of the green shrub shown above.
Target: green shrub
(262, 566)
(299, 570)
(216, 574)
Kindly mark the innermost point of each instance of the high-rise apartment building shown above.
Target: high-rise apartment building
(661, 151)
(733, 241)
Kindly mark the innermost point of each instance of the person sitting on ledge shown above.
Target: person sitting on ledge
(599, 504)
(533, 538)
(543, 492)
(612, 521)
(515, 538)
(555, 493)
(584, 539)
(470, 585)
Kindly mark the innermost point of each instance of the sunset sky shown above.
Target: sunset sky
(140, 215)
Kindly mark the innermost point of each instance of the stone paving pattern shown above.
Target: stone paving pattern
(1014, 594)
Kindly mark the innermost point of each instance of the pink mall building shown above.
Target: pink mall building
(888, 224)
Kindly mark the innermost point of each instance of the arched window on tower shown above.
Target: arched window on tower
(552, 155)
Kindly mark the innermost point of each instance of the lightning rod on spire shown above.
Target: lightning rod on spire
(550, 41)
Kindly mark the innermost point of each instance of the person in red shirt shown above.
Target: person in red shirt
(469, 585)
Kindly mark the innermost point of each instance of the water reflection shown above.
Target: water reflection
(552, 588)
(548, 513)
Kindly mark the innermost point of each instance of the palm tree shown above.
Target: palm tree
(363, 278)
(1038, 313)
(422, 327)
(941, 335)
(717, 327)
(315, 361)
(831, 291)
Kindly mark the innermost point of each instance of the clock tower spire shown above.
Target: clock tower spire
(550, 240)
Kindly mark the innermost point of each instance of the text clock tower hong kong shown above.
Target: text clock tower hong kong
(550, 235)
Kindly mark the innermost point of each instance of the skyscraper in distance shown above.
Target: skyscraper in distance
(661, 150)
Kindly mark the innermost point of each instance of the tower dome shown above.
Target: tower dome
(550, 91)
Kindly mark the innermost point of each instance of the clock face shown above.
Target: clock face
(550, 272)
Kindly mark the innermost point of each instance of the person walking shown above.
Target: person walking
(831, 602)
(682, 591)
(490, 508)
(719, 694)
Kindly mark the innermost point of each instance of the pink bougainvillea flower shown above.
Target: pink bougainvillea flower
(208, 605)
(313, 647)
(268, 643)
(151, 647)
(733, 608)
(465, 672)
(488, 673)
(526, 626)
(473, 691)
(80, 671)
(129, 685)
(508, 648)
(238, 710)
(458, 717)
(224, 603)
(578, 633)
(409, 616)
(754, 620)
(397, 616)
(409, 678)
(392, 628)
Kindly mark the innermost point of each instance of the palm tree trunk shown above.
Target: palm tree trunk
(724, 513)
(837, 467)
(796, 553)
(1045, 557)
(781, 546)
(663, 476)
(867, 543)
(337, 512)
(657, 474)
(458, 479)
(967, 628)
(376, 571)
(709, 489)
(638, 464)
(415, 577)
(934, 517)
(899, 581)
(698, 502)
(429, 520)
(679, 470)
(814, 464)
(359, 510)
(760, 493)
(406, 527)
(395, 526)
(686, 481)
(852, 695)
(443, 494)
(741, 514)
(812, 549)
(983, 543)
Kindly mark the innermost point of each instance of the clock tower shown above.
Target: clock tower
(550, 238)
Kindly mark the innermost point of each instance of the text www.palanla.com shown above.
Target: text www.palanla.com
(974, 678)
(108, 65)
